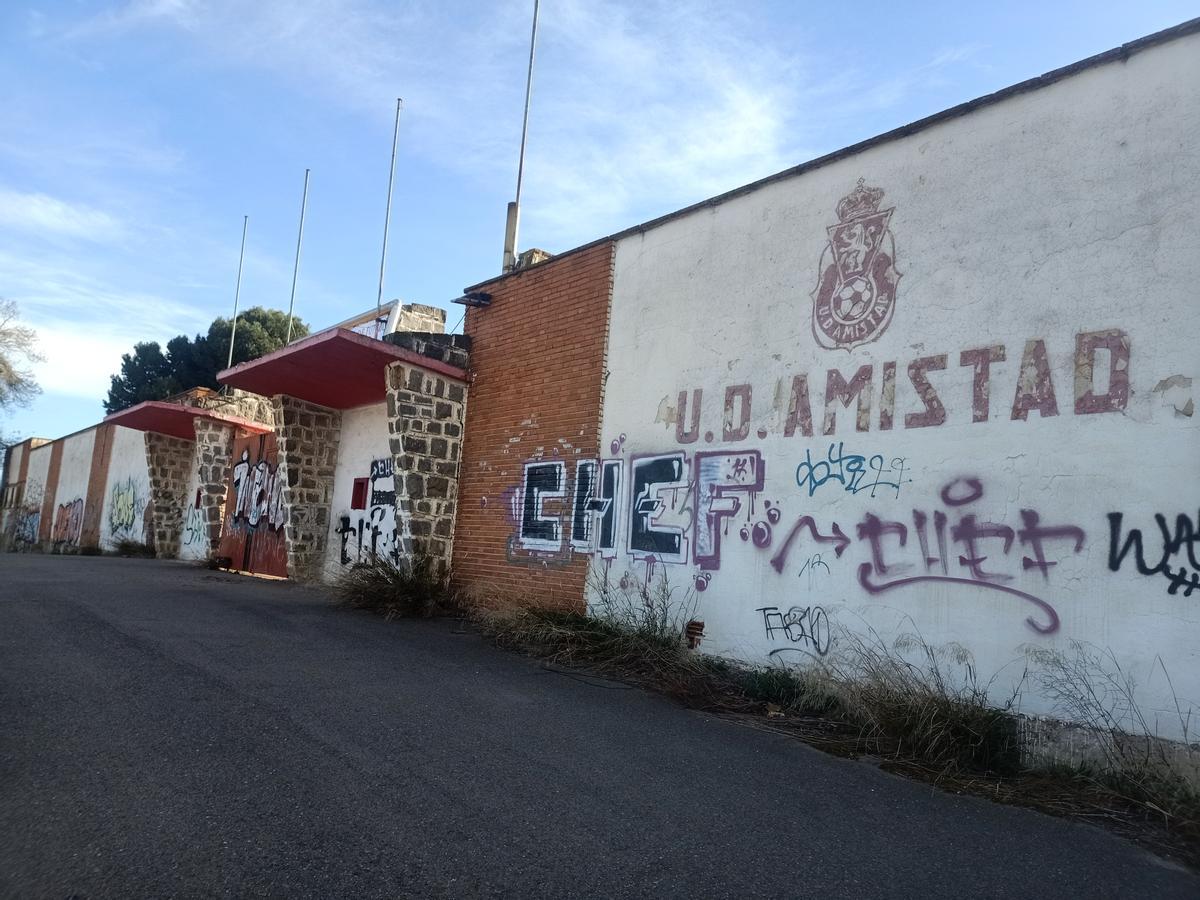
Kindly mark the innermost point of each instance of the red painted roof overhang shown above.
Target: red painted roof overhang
(335, 368)
(175, 419)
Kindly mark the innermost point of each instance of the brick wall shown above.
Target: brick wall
(538, 357)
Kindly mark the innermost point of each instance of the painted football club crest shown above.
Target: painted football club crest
(856, 294)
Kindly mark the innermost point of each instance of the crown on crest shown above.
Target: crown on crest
(862, 201)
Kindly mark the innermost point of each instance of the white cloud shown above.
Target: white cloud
(35, 213)
(639, 107)
(84, 324)
(635, 108)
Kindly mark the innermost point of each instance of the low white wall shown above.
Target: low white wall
(71, 494)
(942, 386)
(193, 539)
(126, 491)
(359, 535)
(29, 515)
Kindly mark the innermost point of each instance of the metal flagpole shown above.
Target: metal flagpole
(388, 214)
(237, 291)
(514, 209)
(296, 270)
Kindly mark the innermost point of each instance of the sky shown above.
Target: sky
(136, 135)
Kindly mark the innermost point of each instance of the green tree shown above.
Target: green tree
(149, 373)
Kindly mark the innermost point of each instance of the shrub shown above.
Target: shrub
(393, 588)
(134, 548)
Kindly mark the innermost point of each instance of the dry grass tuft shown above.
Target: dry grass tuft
(394, 589)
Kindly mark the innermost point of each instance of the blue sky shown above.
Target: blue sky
(137, 134)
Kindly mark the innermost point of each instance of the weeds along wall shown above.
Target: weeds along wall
(537, 359)
(943, 385)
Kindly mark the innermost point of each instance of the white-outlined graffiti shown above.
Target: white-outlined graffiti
(258, 494)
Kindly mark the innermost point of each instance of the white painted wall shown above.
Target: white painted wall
(126, 490)
(29, 515)
(364, 452)
(71, 495)
(193, 539)
(1069, 210)
(12, 474)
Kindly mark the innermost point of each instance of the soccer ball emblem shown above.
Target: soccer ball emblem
(853, 300)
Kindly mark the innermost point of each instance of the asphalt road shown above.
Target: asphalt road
(167, 731)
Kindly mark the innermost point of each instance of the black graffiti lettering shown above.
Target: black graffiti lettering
(1185, 539)
(651, 477)
(596, 485)
(807, 626)
(543, 481)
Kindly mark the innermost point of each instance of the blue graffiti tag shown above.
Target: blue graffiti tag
(853, 471)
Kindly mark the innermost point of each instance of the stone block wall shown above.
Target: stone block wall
(426, 411)
(169, 462)
(250, 406)
(214, 449)
(419, 317)
(308, 437)
(454, 349)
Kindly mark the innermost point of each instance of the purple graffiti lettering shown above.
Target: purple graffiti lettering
(1050, 627)
(837, 538)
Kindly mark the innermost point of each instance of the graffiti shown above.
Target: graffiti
(836, 537)
(811, 565)
(852, 471)
(125, 509)
(258, 494)
(657, 481)
(68, 524)
(252, 533)
(28, 524)
(594, 514)
(195, 527)
(725, 482)
(543, 482)
(968, 535)
(855, 297)
(679, 512)
(807, 626)
(371, 523)
(1180, 544)
(854, 392)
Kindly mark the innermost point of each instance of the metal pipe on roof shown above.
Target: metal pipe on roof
(512, 226)
(387, 218)
(296, 269)
(237, 292)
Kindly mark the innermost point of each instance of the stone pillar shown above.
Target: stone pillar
(419, 317)
(214, 451)
(247, 406)
(426, 411)
(308, 438)
(169, 461)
